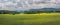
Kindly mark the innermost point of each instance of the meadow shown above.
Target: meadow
(30, 19)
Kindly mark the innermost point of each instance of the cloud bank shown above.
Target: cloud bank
(28, 4)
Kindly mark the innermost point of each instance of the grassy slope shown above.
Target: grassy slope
(30, 19)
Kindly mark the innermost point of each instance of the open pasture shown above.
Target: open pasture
(30, 19)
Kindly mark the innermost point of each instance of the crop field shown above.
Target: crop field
(30, 19)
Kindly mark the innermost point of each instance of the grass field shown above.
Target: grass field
(30, 19)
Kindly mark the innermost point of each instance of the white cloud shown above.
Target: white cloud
(27, 4)
(43, 3)
(5, 0)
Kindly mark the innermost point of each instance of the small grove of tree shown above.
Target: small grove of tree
(8, 12)
(27, 12)
(35, 12)
(4, 12)
(30, 12)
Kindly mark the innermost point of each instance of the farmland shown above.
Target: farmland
(30, 19)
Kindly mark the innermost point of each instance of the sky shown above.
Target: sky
(28, 4)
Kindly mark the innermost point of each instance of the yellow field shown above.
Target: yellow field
(30, 19)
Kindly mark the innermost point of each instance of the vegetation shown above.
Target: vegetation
(8, 12)
(36, 12)
(28, 12)
(30, 19)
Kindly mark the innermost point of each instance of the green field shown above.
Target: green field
(30, 19)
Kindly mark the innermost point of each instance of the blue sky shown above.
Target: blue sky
(28, 4)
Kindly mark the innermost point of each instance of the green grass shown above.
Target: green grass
(30, 19)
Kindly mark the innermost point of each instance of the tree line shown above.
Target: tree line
(27, 12)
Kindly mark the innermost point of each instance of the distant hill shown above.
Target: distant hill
(46, 9)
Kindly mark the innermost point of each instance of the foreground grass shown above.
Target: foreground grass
(30, 19)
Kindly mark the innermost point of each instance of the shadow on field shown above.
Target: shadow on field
(51, 23)
(34, 23)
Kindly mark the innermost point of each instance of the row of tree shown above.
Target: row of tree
(8, 12)
(27, 12)
(36, 12)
